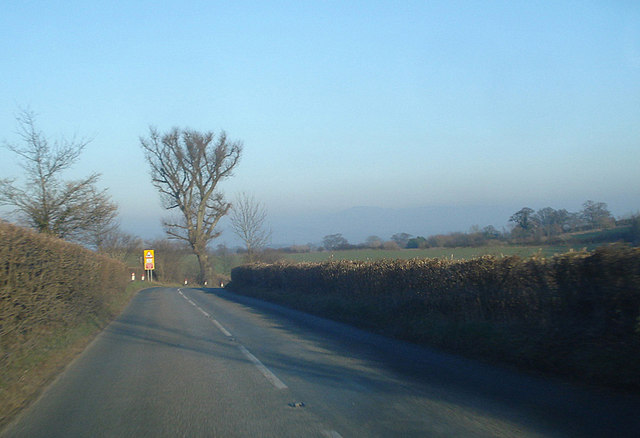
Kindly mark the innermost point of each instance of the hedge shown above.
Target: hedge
(576, 314)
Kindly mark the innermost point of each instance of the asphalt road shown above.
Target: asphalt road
(191, 362)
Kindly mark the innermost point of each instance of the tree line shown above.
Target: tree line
(527, 226)
(548, 222)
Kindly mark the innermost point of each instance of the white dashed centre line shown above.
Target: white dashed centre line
(261, 367)
(213, 320)
(221, 328)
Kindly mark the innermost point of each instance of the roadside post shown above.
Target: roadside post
(149, 263)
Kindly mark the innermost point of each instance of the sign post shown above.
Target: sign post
(149, 262)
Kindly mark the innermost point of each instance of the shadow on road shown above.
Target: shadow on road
(566, 409)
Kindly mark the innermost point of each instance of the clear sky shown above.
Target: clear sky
(394, 104)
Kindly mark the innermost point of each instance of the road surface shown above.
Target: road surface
(190, 362)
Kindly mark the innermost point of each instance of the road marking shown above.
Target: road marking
(263, 369)
(213, 320)
(221, 328)
(331, 434)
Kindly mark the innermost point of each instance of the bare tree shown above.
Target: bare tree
(67, 209)
(524, 219)
(117, 244)
(597, 215)
(552, 222)
(334, 241)
(401, 239)
(373, 242)
(186, 167)
(248, 218)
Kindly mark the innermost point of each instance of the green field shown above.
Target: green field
(450, 253)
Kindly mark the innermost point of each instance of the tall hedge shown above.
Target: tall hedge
(46, 282)
(577, 313)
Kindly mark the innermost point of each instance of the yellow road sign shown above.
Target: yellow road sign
(149, 260)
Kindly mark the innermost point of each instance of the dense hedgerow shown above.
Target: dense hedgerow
(575, 313)
(47, 283)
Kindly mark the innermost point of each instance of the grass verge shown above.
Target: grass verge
(29, 367)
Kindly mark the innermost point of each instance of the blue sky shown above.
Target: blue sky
(342, 104)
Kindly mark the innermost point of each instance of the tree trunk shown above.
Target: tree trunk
(206, 272)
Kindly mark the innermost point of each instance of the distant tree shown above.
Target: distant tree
(248, 222)
(401, 239)
(475, 237)
(563, 219)
(523, 219)
(72, 210)
(117, 244)
(490, 233)
(298, 249)
(417, 242)
(552, 222)
(373, 242)
(474, 229)
(186, 168)
(596, 215)
(334, 241)
(436, 241)
(459, 239)
(390, 245)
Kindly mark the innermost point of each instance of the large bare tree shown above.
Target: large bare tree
(73, 210)
(248, 221)
(186, 167)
